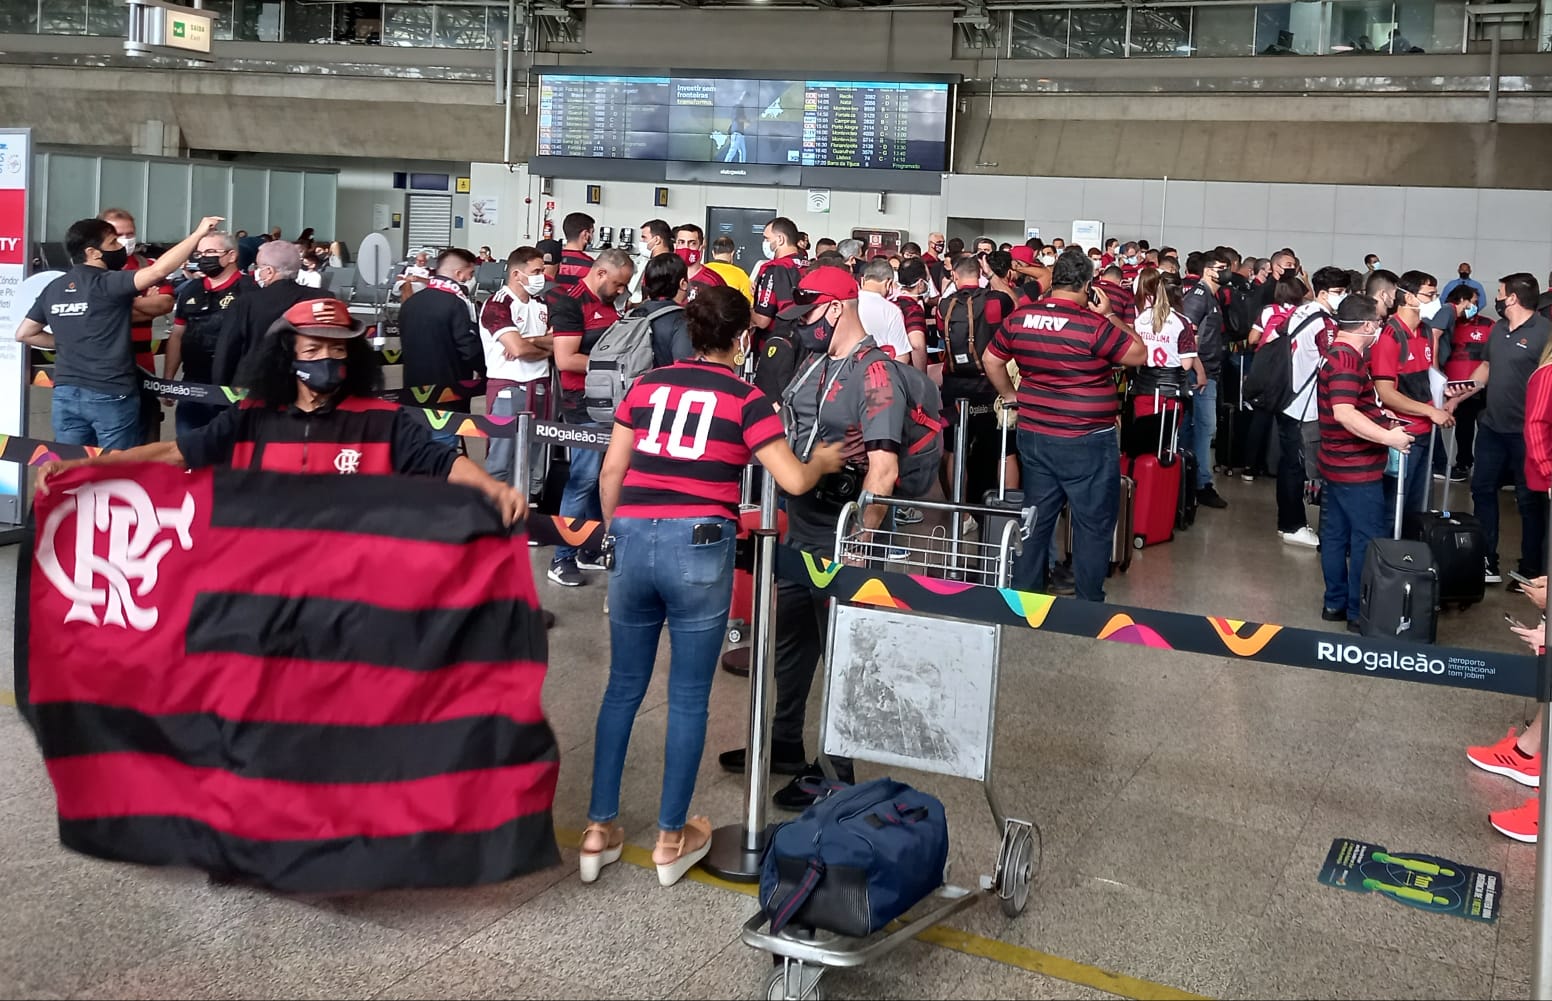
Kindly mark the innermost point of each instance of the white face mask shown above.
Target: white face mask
(1047, 259)
(534, 283)
(768, 250)
(129, 244)
(1429, 310)
(1334, 299)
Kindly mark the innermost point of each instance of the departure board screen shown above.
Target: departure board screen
(875, 125)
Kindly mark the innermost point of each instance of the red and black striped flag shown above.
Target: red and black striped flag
(320, 683)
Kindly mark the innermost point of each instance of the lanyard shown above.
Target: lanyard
(824, 392)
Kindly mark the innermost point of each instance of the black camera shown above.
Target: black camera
(841, 487)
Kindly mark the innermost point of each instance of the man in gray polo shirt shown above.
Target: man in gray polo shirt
(84, 316)
(1512, 352)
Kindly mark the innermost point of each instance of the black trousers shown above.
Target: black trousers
(801, 618)
(1290, 474)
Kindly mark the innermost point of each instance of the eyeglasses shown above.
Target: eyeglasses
(809, 297)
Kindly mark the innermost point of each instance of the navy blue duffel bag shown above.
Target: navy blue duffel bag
(855, 860)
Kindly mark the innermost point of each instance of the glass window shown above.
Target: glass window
(462, 28)
(496, 24)
(1041, 34)
(1302, 22)
(1224, 31)
(106, 17)
(308, 22)
(256, 21)
(1361, 25)
(19, 16)
(1431, 25)
(406, 24)
(1098, 33)
(1161, 31)
(63, 17)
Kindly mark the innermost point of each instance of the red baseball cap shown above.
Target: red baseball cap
(1023, 255)
(826, 283)
(321, 318)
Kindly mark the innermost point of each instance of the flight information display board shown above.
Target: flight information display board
(877, 125)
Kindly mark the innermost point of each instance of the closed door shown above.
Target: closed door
(430, 222)
(745, 226)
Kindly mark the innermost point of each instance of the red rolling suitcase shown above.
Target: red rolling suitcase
(741, 611)
(1157, 478)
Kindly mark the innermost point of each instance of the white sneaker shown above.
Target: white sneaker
(1303, 537)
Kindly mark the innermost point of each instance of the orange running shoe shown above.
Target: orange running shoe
(1520, 822)
(1506, 758)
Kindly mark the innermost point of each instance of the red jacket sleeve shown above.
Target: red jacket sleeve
(1538, 430)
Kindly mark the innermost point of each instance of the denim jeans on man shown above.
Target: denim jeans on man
(580, 498)
(1500, 459)
(1351, 514)
(1200, 426)
(86, 417)
(1418, 479)
(659, 573)
(1086, 473)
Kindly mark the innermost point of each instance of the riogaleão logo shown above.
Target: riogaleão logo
(1228, 631)
(234, 395)
(820, 575)
(574, 534)
(422, 394)
(438, 418)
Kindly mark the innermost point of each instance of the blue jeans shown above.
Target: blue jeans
(1418, 478)
(1500, 458)
(1086, 473)
(660, 574)
(1351, 514)
(87, 417)
(1201, 424)
(580, 498)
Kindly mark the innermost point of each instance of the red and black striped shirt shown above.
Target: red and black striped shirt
(1123, 301)
(914, 315)
(704, 278)
(1344, 457)
(577, 312)
(1064, 353)
(696, 426)
(574, 265)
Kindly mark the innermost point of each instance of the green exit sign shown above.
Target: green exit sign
(188, 30)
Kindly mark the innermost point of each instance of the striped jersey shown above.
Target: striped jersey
(1345, 457)
(574, 266)
(696, 426)
(1065, 353)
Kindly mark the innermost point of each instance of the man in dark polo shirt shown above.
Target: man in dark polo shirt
(578, 318)
(777, 355)
(84, 317)
(1354, 435)
(1511, 354)
(198, 320)
(575, 261)
(439, 333)
(1067, 418)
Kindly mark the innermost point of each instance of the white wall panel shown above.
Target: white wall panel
(1514, 215)
(1369, 209)
(1448, 212)
(1234, 205)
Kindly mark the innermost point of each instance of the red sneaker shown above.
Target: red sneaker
(1520, 822)
(1505, 758)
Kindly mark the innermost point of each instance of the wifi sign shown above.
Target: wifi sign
(819, 201)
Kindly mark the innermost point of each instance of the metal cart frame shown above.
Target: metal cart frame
(803, 957)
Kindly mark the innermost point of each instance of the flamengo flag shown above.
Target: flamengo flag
(321, 683)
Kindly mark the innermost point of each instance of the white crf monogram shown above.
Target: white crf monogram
(347, 462)
(123, 510)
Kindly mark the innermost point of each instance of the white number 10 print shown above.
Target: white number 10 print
(678, 446)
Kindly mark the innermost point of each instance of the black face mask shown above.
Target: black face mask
(815, 337)
(322, 375)
(1465, 275)
(114, 260)
(1499, 305)
(210, 265)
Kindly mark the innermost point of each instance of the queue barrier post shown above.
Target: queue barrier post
(737, 849)
(1541, 939)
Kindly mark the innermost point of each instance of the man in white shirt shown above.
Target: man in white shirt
(880, 317)
(1311, 326)
(414, 277)
(515, 332)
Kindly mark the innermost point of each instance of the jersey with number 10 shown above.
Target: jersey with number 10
(696, 426)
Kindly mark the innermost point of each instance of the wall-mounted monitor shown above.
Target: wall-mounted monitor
(742, 129)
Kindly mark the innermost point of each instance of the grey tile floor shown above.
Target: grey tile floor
(1186, 804)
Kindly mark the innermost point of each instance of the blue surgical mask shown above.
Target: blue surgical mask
(1471, 311)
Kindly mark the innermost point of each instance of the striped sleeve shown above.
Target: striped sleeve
(761, 423)
(1111, 342)
(1538, 429)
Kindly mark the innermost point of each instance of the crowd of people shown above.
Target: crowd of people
(805, 366)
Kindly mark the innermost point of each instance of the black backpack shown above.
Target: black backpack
(959, 315)
(1269, 386)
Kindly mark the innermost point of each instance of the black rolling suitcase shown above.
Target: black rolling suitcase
(1003, 499)
(1232, 440)
(1457, 542)
(1399, 591)
(1185, 512)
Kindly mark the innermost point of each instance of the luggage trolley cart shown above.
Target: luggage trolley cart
(919, 692)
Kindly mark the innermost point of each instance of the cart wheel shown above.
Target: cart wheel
(1016, 876)
(735, 635)
(1138, 542)
(776, 987)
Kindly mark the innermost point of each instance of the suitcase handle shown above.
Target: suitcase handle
(1401, 458)
(1405, 621)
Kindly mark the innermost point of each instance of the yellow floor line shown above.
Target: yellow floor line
(945, 937)
(7, 699)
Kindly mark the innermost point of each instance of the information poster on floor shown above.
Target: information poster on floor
(15, 167)
(1426, 882)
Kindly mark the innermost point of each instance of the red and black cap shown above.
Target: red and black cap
(820, 286)
(327, 318)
